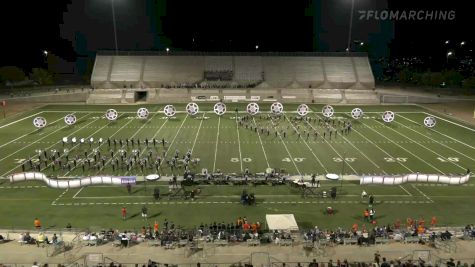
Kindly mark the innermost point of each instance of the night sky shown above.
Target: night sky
(75, 30)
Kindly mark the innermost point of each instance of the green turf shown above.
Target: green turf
(404, 146)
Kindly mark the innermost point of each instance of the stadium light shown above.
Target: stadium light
(362, 43)
(447, 42)
(450, 53)
(45, 53)
(462, 43)
(257, 47)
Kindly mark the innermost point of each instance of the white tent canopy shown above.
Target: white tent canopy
(284, 222)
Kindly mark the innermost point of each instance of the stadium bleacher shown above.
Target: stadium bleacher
(285, 77)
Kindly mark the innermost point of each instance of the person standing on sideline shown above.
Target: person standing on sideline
(144, 212)
(124, 213)
(129, 188)
(37, 223)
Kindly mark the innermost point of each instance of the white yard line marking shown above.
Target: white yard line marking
(52, 145)
(60, 195)
(454, 123)
(433, 139)
(318, 160)
(403, 188)
(422, 193)
(173, 141)
(13, 122)
(285, 146)
(357, 149)
(197, 133)
(403, 148)
(342, 158)
(384, 151)
(37, 140)
(422, 145)
(77, 193)
(136, 132)
(98, 130)
(262, 146)
(72, 169)
(239, 142)
(30, 133)
(216, 148)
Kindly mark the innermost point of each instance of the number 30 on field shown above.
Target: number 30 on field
(243, 159)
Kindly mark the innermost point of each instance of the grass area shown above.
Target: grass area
(404, 146)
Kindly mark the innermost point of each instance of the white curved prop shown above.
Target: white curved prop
(70, 119)
(415, 177)
(192, 108)
(142, 113)
(252, 108)
(219, 108)
(111, 114)
(169, 110)
(302, 110)
(357, 113)
(39, 122)
(388, 116)
(430, 122)
(328, 111)
(65, 183)
(276, 108)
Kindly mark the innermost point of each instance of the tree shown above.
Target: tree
(11, 74)
(469, 83)
(41, 76)
(452, 78)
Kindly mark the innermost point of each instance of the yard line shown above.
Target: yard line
(421, 145)
(460, 125)
(28, 134)
(13, 122)
(77, 193)
(239, 142)
(36, 141)
(384, 151)
(99, 145)
(432, 138)
(285, 146)
(173, 141)
(403, 148)
(318, 160)
(50, 146)
(453, 139)
(98, 130)
(422, 193)
(262, 146)
(357, 149)
(351, 167)
(403, 188)
(198, 132)
(216, 148)
(136, 132)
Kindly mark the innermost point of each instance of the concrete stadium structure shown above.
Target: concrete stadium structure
(185, 76)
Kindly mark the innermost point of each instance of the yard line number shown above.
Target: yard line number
(449, 159)
(337, 159)
(395, 159)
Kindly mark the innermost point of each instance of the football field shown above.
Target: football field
(223, 143)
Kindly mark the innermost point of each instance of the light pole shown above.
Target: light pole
(348, 47)
(115, 28)
(448, 55)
